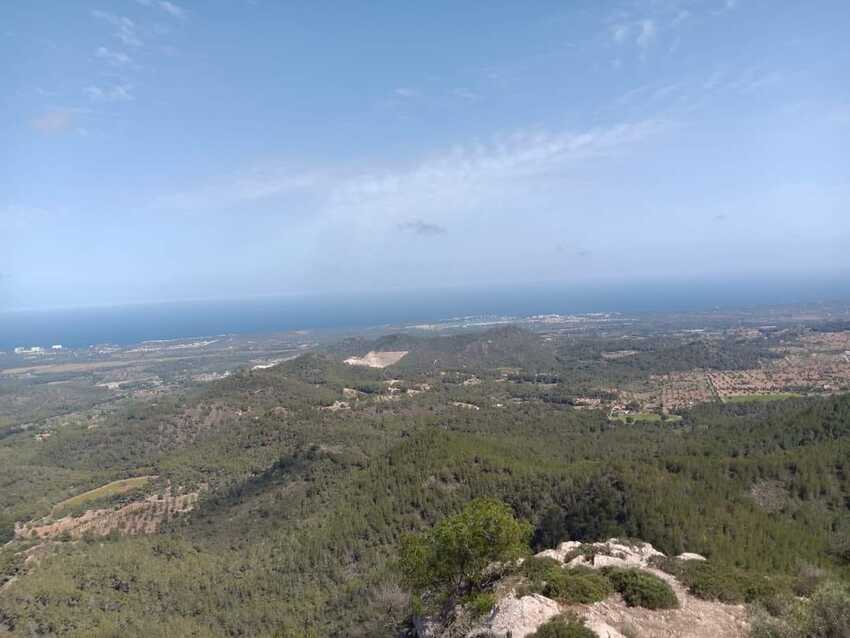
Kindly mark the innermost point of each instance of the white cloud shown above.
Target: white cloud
(125, 28)
(407, 92)
(505, 171)
(643, 31)
(452, 177)
(114, 93)
(173, 9)
(250, 186)
(116, 58)
(620, 32)
(646, 34)
(466, 94)
(681, 16)
(169, 7)
(56, 121)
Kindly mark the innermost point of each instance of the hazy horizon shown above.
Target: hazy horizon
(176, 150)
(133, 323)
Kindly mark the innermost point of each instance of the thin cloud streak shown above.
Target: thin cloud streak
(124, 28)
(433, 189)
(55, 122)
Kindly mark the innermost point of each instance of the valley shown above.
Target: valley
(261, 485)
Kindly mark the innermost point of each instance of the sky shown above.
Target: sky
(158, 150)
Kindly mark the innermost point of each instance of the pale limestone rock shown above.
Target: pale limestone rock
(517, 617)
(690, 556)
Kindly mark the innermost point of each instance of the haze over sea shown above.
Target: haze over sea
(80, 327)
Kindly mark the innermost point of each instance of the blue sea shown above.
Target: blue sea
(134, 323)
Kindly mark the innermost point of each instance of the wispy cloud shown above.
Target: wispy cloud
(646, 33)
(55, 122)
(680, 17)
(115, 58)
(114, 93)
(407, 92)
(643, 32)
(466, 94)
(424, 197)
(422, 228)
(170, 8)
(253, 185)
(620, 32)
(124, 28)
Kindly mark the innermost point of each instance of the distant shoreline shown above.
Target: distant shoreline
(130, 324)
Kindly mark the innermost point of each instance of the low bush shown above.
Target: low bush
(573, 585)
(567, 626)
(578, 585)
(481, 603)
(642, 589)
(712, 582)
(825, 615)
(537, 568)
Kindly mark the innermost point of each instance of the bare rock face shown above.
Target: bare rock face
(517, 617)
(614, 553)
(560, 553)
(696, 618)
(690, 556)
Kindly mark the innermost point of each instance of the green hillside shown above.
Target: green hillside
(302, 507)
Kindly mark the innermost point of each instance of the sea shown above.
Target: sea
(126, 324)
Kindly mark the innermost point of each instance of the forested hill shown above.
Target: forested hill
(503, 346)
(308, 475)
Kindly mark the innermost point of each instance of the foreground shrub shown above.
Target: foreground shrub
(641, 589)
(567, 626)
(825, 615)
(572, 585)
(712, 582)
(537, 569)
(481, 603)
(829, 611)
(579, 585)
(452, 557)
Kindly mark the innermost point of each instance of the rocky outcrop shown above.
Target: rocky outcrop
(519, 616)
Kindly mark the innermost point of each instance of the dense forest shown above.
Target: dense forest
(303, 503)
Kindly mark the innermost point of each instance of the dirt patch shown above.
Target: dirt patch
(336, 407)
(377, 359)
(138, 517)
(619, 354)
(110, 489)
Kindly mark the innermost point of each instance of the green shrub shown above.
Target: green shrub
(825, 615)
(579, 585)
(807, 580)
(712, 582)
(642, 589)
(536, 569)
(481, 603)
(453, 556)
(567, 626)
(574, 585)
(829, 611)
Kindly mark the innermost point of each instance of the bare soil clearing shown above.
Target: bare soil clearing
(377, 359)
(138, 517)
(110, 489)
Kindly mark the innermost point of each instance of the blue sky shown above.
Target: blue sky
(165, 150)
